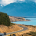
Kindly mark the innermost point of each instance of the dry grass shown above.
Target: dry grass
(9, 29)
(30, 28)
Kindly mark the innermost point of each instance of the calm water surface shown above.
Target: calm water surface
(32, 22)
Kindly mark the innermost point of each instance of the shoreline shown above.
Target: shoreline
(17, 21)
(25, 24)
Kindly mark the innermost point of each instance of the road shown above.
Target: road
(24, 28)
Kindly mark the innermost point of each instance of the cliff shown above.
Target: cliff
(13, 19)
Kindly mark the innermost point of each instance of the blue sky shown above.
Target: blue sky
(18, 7)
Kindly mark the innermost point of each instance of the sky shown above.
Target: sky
(6, 2)
(18, 7)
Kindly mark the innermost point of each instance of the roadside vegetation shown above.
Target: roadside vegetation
(12, 24)
(32, 33)
(4, 19)
(25, 34)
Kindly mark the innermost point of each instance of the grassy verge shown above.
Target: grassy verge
(12, 24)
(32, 33)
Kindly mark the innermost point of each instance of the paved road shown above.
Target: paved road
(24, 28)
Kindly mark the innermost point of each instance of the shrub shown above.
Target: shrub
(12, 24)
(32, 33)
(4, 19)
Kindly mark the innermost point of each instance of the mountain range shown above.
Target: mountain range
(20, 9)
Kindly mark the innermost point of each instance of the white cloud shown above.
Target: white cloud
(6, 2)
(35, 1)
(22, 0)
(1, 5)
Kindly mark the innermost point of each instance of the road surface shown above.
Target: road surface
(24, 28)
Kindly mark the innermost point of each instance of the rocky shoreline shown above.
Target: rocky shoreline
(14, 19)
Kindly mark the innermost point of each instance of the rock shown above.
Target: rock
(13, 19)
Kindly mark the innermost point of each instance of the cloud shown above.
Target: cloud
(1, 5)
(35, 1)
(21, 0)
(6, 2)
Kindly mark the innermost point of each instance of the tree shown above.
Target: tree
(4, 19)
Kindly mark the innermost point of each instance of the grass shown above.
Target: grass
(32, 33)
(12, 24)
(33, 26)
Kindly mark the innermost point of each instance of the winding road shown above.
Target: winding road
(24, 28)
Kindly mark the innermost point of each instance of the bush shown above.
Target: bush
(4, 19)
(32, 33)
(12, 24)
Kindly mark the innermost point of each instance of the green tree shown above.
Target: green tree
(4, 19)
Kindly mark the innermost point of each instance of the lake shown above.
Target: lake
(32, 22)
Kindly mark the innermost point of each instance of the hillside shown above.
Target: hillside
(12, 19)
(20, 9)
(9, 29)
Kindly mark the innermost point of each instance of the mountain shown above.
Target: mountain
(20, 9)
(1, 8)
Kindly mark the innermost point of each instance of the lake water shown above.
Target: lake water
(32, 22)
